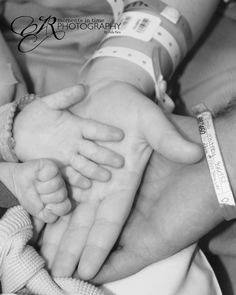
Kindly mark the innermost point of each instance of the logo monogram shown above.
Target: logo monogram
(34, 34)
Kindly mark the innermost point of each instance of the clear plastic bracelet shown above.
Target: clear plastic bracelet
(215, 162)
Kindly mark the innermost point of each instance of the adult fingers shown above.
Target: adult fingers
(100, 132)
(100, 155)
(90, 169)
(111, 216)
(166, 139)
(75, 179)
(73, 240)
(51, 238)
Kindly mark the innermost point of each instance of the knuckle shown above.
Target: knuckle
(60, 195)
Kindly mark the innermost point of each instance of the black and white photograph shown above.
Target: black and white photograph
(117, 147)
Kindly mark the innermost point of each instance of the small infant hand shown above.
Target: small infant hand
(67, 139)
(41, 189)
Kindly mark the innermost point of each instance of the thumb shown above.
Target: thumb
(163, 137)
(65, 98)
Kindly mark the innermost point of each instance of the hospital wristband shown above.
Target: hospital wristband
(146, 27)
(173, 21)
(149, 64)
(215, 162)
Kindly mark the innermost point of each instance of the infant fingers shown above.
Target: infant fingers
(97, 131)
(51, 186)
(90, 169)
(47, 216)
(55, 197)
(100, 155)
(47, 170)
(60, 209)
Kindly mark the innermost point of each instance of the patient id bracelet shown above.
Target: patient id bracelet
(8, 113)
(146, 27)
(164, 25)
(171, 19)
(150, 65)
(215, 162)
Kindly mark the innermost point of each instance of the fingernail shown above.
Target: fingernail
(49, 208)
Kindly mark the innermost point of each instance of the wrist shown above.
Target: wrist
(225, 126)
(113, 61)
(107, 70)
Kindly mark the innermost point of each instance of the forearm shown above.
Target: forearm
(198, 14)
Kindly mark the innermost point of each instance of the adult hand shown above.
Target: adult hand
(175, 206)
(90, 232)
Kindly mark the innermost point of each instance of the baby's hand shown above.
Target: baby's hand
(40, 189)
(47, 129)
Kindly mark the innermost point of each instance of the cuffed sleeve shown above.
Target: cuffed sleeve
(7, 113)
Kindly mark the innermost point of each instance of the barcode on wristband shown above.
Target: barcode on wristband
(143, 25)
(125, 22)
(139, 25)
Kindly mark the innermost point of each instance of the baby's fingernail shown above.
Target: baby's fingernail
(49, 208)
(46, 215)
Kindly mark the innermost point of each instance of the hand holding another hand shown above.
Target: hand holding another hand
(87, 236)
